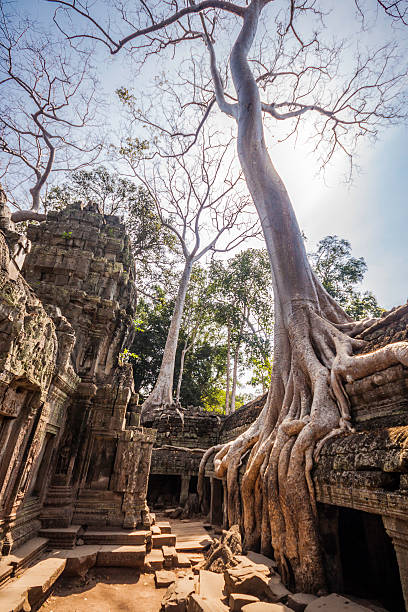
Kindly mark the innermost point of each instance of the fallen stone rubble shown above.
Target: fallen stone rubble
(246, 589)
(248, 583)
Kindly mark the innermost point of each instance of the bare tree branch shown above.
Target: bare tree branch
(47, 96)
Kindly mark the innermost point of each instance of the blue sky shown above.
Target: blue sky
(371, 212)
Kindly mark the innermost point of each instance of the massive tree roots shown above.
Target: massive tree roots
(275, 502)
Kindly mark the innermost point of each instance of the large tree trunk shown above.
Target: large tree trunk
(313, 347)
(162, 393)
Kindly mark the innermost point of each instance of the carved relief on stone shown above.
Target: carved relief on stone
(64, 453)
(13, 401)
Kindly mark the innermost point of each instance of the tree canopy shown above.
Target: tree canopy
(340, 273)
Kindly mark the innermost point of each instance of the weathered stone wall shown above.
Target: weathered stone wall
(195, 429)
(366, 470)
(190, 427)
(80, 262)
(183, 435)
(66, 451)
(175, 460)
(237, 422)
(36, 380)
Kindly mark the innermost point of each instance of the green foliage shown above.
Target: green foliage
(243, 300)
(66, 235)
(215, 402)
(149, 341)
(138, 324)
(363, 305)
(125, 356)
(203, 374)
(261, 372)
(339, 273)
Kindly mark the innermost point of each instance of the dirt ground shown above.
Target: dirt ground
(113, 589)
(119, 589)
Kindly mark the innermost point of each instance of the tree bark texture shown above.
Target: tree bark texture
(314, 342)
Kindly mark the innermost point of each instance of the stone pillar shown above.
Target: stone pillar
(185, 485)
(397, 529)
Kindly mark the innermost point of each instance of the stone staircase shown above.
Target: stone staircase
(28, 575)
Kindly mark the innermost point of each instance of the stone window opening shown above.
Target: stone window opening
(164, 490)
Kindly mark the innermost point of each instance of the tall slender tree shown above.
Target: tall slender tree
(196, 199)
(197, 322)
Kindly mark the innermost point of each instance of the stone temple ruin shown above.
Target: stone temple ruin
(77, 469)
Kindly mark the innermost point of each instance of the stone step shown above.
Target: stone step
(32, 587)
(78, 560)
(14, 599)
(154, 560)
(61, 537)
(130, 537)
(182, 560)
(27, 553)
(170, 556)
(121, 556)
(21, 558)
(6, 571)
(193, 545)
(164, 526)
(165, 539)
